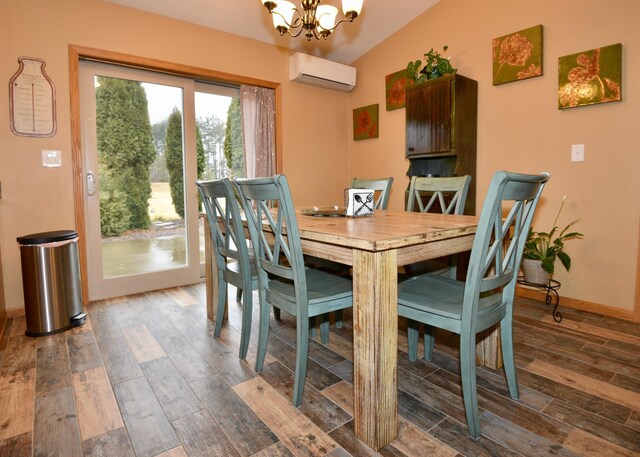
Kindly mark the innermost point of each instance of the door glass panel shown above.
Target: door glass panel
(141, 174)
(219, 131)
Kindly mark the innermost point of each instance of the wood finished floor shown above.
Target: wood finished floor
(144, 377)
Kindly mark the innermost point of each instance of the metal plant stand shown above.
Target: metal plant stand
(552, 294)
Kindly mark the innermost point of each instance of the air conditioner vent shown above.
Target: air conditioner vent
(311, 70)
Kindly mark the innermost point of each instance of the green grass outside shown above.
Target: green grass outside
(160, 205)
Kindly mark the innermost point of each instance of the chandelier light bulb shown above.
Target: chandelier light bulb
(326, 17)
(352, 8)
(283, 15)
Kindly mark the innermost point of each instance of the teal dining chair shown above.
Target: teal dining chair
(442, 195)
(382, 187)
(283, 280)
(486, 297)
(235, 264)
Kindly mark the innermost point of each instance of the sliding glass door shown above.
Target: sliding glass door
(144, 137)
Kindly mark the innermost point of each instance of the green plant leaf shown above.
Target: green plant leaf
(572, 235)
(547, 264)
(565, 259)
(569, 226)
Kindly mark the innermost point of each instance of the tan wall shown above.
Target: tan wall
(3, 307)
(521, 129)
(38, 199)
(519, 125)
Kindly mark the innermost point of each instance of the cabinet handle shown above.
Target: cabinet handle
(412, 149)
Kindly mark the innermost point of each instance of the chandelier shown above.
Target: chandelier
(316, 20)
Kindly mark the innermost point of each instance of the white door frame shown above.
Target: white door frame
(98, 286)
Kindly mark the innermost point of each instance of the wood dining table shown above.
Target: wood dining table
(375, 246)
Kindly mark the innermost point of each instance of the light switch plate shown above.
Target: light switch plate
(577, 152)
(51, 158)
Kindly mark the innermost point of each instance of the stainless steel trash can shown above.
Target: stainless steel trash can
(51, 282)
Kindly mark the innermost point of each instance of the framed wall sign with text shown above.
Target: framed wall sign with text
(32, 100)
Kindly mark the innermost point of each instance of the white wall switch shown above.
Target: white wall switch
(51, 158)
(577, 152)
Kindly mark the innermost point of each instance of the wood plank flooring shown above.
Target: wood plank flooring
(144, 377)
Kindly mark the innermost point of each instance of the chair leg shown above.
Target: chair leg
(263, 333)
(453, 271)
(247, 311)
(413, 333)
(324, 328)
(302, 343)
(222, 300)
(312, 326)
(508, 359)
(468, 375)
(429, 342)
(339, 318)
(239, 295)
(276, 313)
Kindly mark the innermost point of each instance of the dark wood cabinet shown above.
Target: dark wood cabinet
(441, 130)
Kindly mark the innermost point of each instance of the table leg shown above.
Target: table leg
(375, 317)
(489, 349)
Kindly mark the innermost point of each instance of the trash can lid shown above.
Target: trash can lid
(47, 237)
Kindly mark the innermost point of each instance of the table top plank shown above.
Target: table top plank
(385, 229)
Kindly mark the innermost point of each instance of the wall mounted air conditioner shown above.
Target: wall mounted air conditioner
(307, 69)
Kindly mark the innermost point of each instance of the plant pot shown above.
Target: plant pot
(534, 273)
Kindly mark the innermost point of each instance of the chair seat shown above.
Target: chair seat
(432, 294)
(322, 288)
(234, 266)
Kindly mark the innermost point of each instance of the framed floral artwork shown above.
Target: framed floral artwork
(365, 122)
(517, 56)
(590, 77)
(395, 88)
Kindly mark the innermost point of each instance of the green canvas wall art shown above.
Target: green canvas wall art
(590, 77)
(365, 122)
(517, 56)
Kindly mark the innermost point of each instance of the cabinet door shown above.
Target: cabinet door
(428, 115)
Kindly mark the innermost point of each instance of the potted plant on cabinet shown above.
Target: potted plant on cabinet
(543, 248)
(435, 65)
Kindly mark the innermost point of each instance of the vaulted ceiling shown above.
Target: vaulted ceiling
(248, 18)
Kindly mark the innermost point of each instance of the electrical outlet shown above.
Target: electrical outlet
(577, 152)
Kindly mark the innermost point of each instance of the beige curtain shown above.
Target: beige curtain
(259, 131)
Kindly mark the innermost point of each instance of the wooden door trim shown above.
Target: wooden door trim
(77, 53)
(636, 312)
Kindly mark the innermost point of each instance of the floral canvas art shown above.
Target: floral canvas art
(517, 56)
(395, 86)
(590, 77)
(365, 122)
